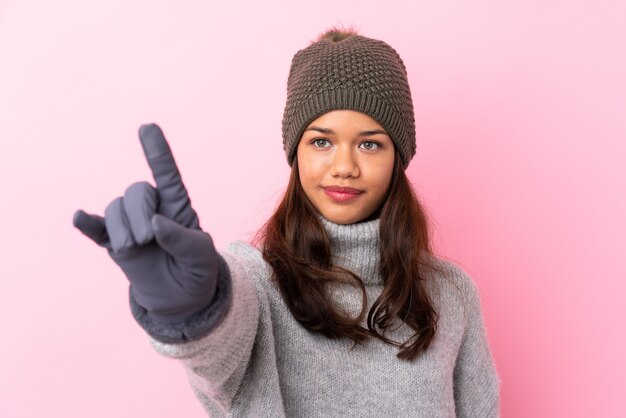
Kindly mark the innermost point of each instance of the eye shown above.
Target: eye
(370, 145)
(319, 142)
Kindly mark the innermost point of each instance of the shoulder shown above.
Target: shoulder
(454, 285)
(457, 275)
(249, 258)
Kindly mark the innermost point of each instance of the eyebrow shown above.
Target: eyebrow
(331, 132)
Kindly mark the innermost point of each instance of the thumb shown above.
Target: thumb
(186, 244)
(92, 226)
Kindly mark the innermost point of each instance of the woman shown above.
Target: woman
(341, 309)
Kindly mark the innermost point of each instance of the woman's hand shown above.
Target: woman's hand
(154, 235)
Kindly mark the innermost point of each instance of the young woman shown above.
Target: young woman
(340, 308)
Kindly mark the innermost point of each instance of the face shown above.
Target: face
(345, 163)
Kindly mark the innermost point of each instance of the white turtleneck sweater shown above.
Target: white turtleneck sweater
(246, 356)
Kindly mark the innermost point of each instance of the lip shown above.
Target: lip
(342, 194)
(339, 189)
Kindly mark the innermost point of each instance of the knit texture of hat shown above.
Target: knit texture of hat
(356, 73)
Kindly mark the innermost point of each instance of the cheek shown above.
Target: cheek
(307, 179)
(309, 170)
(382, 176)
(303, 173)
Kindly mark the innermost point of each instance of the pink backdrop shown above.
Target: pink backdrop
(520, 112)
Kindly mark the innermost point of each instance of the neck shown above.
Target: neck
(356, 247)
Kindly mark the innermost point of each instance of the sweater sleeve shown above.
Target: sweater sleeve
(215, 345)
(476, 381)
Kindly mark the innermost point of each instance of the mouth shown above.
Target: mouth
(342, 194)
(340, 189)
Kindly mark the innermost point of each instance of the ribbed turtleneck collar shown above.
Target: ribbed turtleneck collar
(356, 247)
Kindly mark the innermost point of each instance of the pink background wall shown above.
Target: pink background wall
(520, 112)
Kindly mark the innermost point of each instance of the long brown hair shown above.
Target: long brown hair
(295, 244)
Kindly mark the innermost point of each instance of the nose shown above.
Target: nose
(344, 163)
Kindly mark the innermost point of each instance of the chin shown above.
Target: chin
(343, 220)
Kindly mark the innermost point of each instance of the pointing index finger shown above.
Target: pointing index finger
(153, 141)
(174, 202)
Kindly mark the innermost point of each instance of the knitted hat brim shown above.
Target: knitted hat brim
(346, 99)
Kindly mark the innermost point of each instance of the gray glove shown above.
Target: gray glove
(154, 235)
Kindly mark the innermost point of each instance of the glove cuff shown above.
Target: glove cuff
(195, 326)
